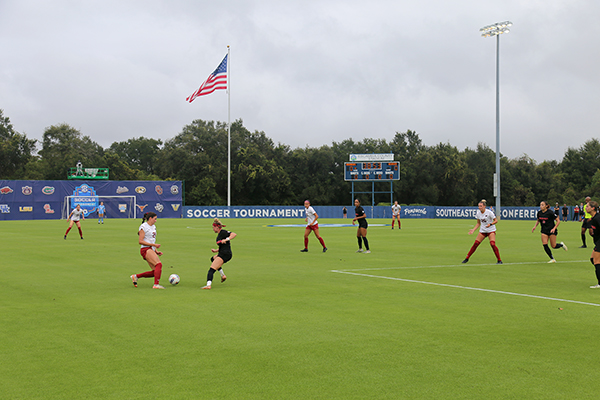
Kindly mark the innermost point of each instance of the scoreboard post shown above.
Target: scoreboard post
(372, 168)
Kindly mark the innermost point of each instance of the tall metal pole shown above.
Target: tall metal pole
(228, 128)
(496, 30)
(498, 211)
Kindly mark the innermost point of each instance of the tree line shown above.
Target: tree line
(263, 173)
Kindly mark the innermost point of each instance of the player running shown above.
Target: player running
(75, 216)
(224, 238)
(396, 214)
(311, 226)
(149, 250)
(486, 221)
(549, 221)
(592, 211)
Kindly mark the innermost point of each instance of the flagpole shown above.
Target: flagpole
(228, 128)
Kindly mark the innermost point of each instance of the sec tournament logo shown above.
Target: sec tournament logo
(85, 196)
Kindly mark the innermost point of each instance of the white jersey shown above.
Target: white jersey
(396, 209)
(310, 215)
(486, 218)
(76, 216)
(149, 233)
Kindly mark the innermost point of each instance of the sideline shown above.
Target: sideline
(467, 288)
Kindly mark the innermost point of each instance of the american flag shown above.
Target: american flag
(216, 80)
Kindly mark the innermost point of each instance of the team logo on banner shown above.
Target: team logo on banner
(48, 209)
(48, 190)
(174, 190)
(175, 206)
(159, 207)
(85, 196)
(158, 189)
(122, 189)
(123, 208)
(6, 190)
(27, 190)
(26, 209)
(141, 207)
(4, 209)
(140, 190)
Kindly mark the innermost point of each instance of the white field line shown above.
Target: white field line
(466, 288)
(457, 265)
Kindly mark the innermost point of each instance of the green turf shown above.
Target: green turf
(406, 323)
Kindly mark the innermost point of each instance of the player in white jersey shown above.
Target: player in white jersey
(149, 250)
(396, 214)
(101, 211)
(486, 222)
(75, 216)
(311, 226)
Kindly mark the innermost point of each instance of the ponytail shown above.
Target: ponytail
(147, 216)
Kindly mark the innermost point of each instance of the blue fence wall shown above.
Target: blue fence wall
(20, 200)
(508, 213)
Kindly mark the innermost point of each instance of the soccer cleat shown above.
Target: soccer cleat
(359, 251)
(368, 251)
(499, 262)
(301, 251)
(65, 237)
(134, 279)
(552, 261)
(324, 249)
(157, 287)
(583, 247)
(595, 287)
(82, 238)
(223, 278)
(564, 246)
(466, 260)
(206, 287)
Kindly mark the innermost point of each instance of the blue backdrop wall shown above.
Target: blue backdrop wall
(21, 200)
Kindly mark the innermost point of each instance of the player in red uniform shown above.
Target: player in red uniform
(75, 216)
(149, 250)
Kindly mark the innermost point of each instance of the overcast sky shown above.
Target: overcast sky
(307, 73)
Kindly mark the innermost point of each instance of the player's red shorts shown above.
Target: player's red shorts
(143, 251)
(313, 227)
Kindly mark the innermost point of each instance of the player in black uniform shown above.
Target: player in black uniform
(224, 252)
(592, 209)
(361, 233)
(549, 221)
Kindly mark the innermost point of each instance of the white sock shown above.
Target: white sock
(208, 283)
(221, 272)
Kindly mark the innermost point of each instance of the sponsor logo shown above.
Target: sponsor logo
(4, 209)
(141, 207)
(26, 208)
(411, 211)
(48, 209)
(174, 190)
(159, 207)
(175, 206)
(122, 189)
(85, 196)
(48, 190)
(140, 190)
(6, 190)
(27, 190)
(158, 189)
(123, 208)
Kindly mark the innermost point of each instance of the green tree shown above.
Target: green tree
(63, 146)
(16, 151)
(141, 153)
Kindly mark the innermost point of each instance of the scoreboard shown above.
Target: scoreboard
(372, 171)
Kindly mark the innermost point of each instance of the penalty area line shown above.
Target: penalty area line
(467, 288)
(457, 265)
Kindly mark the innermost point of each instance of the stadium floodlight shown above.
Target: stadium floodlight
(487, 31)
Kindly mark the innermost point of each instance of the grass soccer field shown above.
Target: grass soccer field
(407, 321)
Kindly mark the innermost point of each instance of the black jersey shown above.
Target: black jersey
(359, 212)
(224, 247)
(595, 227)
(546, 220)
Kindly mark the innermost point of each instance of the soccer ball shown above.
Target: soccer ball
(174, 279)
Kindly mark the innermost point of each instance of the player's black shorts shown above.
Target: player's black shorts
(224, 256)
(362, 223)
(548, 233)
(586, 224)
